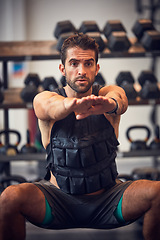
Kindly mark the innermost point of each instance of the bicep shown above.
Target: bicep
(41, 102)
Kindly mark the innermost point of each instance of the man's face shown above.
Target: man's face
(80, 69)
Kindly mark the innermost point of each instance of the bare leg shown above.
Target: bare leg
(17, 203)
(143, 197)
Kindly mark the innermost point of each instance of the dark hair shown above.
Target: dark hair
(79, 40)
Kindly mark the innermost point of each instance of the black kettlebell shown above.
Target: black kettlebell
(138, 144)
(9, 149)
(155, 144)
(28, 147)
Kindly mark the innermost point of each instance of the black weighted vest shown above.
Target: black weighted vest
(81, 153)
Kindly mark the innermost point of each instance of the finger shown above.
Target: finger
(82, 116)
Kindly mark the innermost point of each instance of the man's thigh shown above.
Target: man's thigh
(26, 199)
(138, 197)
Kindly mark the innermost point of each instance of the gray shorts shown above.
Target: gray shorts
(83, 211)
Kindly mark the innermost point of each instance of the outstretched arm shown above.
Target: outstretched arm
(51, 106)
(110, 98)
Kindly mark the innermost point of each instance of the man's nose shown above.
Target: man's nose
(82, 70)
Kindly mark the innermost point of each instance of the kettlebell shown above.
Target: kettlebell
(9, 149)
(28, 148)
(155, 144)
(138, 144)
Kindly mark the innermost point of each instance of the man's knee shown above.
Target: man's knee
(154, 192)
(15, 196)
(11, 197)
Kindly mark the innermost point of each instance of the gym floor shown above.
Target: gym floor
(131, 232)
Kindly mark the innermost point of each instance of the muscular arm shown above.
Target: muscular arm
(117, 93)
(104, 102)
(51, 106)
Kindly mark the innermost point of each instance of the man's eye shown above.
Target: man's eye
(88, 64)
(74, 64)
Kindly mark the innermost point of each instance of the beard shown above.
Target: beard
(81, 87)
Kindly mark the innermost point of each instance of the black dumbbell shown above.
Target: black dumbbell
(1, 93)
(126, 80)
(63, 27)
(149, 86)
(63, 81)
(155, 144)
(63, 30)
(141, 26)
(116, 36)
(28, 147)
(146, 173)
(151, 40)
(10, 149)
(91, 28)
(62, 38)
(141, 173)
(138, 144)
(49, 83)
(99, 79)
(32, 82)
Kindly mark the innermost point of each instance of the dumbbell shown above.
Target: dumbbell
(28, 147)
(116, 35)
(126, 80)
(141, 26)
(99, 79)
(49, 83)
(151, 40)
(1, 93)
(63, 81)
(146, 34)
(63, 30)
(155, 144)
(10, 149)
(148, 82)
(148, 173)
(91, 28)
(32, 82)
(138, 144)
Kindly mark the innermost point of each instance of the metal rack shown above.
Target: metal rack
(46, 50)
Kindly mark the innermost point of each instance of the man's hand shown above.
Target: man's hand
(93, 105)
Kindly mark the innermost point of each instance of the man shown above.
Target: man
(79, 127)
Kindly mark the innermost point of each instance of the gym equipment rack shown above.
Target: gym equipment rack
(46, 50)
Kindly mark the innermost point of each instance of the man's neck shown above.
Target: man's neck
(71, 93)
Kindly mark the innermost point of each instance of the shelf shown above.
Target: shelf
(139, 153)
(12, 99)
(42, 156)
(28, 51)
(46, 50)
(23, 157)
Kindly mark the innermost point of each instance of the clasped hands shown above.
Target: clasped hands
(90, 105)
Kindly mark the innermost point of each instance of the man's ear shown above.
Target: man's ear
(62, 69)
(97, 70)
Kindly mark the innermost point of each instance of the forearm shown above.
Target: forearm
(51, 106)
(117, 93)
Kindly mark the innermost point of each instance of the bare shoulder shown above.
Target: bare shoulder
(43, 96)
(41, 103)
